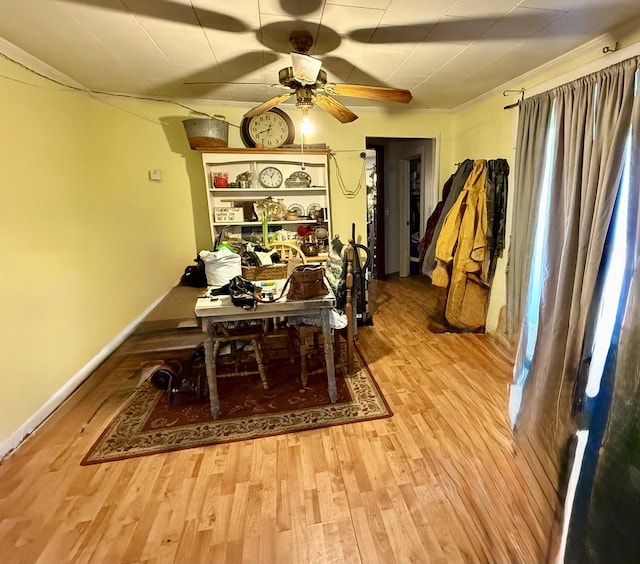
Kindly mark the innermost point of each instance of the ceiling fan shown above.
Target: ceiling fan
(308, 82)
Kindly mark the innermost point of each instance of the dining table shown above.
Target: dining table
(211, 309)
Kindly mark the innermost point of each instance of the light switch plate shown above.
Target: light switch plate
(155, 175)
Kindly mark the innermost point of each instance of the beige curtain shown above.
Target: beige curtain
(593, 116)
(533, 126)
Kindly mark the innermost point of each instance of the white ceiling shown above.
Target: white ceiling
(445, 51)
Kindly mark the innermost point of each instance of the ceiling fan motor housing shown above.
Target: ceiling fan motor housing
(301, 41)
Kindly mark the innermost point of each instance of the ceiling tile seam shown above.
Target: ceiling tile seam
(320, 23)
(81, 25)
(259, 37)
(442, 67)
(206, 37)
(560, 14)
(436, 70)
(416, 45)
(146, 31)
(494, 61)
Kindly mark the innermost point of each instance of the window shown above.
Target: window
(614, 268)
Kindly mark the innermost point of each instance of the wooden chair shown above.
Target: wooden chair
(222, 335)
(309, 335)
(347, 332)
(289, 249)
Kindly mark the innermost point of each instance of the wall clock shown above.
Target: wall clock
(270, 130)
(270, 177)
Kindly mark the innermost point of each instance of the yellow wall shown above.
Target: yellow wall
(87, 242)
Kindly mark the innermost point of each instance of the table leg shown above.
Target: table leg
(210, 353)
(325, 316)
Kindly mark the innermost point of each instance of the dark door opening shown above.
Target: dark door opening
(415, 217)
(375, 210)
(400, 199)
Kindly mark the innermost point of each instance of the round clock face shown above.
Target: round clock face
(270, 130)
(270, 177)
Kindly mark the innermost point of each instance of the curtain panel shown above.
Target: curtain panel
(533, 126)
(592, 119)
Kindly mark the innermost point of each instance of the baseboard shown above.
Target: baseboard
(8, 445)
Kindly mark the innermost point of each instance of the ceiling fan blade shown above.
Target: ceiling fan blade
(335, 108)
(271, 103)
(370, 92)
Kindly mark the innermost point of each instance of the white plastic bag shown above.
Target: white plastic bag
(221, 266)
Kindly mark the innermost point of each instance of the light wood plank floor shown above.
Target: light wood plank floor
(439, 482)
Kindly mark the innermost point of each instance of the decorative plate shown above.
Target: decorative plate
(315, 211)
(296, 208)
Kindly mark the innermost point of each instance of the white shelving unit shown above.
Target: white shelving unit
(232, 208)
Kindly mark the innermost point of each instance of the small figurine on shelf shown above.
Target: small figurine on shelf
(244, 179)
(275, 208)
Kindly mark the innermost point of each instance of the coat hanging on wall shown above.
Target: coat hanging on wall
(462, 307)
(437, 217)
(462, 255)
(496, 189)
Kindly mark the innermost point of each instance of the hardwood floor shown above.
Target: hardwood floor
(439, 482)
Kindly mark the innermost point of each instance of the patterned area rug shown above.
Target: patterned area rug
(147, 424)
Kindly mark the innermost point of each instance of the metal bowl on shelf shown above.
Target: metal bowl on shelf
(298, 179)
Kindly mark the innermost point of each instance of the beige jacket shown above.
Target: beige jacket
(462, 255)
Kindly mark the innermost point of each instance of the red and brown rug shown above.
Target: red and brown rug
(148, 424)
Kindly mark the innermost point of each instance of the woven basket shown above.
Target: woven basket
(268, 272)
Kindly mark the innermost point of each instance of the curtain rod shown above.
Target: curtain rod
(517, 103)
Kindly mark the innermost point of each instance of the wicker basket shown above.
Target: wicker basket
(268, 272)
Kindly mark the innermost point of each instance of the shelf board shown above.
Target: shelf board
(251, 151)
(259, 223)
(271, 191)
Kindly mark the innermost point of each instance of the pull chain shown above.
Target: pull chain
(301, 141)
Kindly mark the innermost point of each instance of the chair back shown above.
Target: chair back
(289, 250)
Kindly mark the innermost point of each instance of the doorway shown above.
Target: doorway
(400, 197)
(374, 165)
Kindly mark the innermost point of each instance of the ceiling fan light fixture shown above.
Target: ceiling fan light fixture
(306, 125)
(305, 68)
